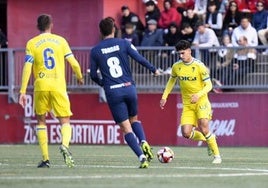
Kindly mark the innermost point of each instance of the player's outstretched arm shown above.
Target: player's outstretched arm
(132, 51)
(169, 86)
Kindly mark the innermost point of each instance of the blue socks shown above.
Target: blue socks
(132, 142)
(138, 130)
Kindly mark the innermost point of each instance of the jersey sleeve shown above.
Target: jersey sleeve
(66, 49)
(27, 68)
(206, 79)
(93, 69)
(132, 51)
(170, 84)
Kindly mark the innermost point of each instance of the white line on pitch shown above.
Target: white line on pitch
(130, 176)
(164, 166)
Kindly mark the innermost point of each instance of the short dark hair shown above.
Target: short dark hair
(43, 22)
(183, 45)
(106, 26)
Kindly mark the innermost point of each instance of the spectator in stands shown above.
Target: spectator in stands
(172, 37)
(184, 5)
(131, 35)
(259, 20)
(231, 19)
(200, 8)
(247, 6)
(145, 1)
(152, 12)
(245, 29)
(187, 33)
(216, 2)
(214, 19)
(152, 35)
(190, 18)
(130, 17)
(263, 36)
(243, 62)
(206, 37)
(223, 6)
(225, 56)
(168, 15)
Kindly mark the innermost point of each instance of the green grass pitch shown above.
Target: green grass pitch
(116, 166)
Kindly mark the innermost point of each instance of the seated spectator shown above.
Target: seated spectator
(259, 20)
(187, 32)
(223, 6)
(152, 35)
(131, 35)
(184, 5)
(206, 37)
(245, 29)
(152, 12)
(216, 2)
(225, 56)
(231, 19)
(190, 18)
(247, 6)
(130, 17)
(169, 15)
(263, 36)
(243, 62)
(214, 19)
(172, 37)
(200, 8)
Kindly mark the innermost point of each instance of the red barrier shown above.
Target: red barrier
(238, 120)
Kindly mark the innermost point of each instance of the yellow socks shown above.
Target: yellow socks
(212, 144)
(197, 136)
(66, 133)
(41, 132)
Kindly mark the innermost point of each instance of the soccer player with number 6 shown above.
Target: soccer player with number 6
(111, 57)
(46, 55)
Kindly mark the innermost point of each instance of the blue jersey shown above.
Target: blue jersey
(111, 57)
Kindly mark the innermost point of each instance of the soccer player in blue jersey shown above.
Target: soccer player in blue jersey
(111, 57)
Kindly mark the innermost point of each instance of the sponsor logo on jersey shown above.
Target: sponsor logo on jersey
(187, 78)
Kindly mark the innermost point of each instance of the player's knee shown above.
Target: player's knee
(186, 134)
(133, 119)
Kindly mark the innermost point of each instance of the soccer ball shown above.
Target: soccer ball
(165, 155)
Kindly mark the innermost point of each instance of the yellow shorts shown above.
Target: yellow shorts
(192, 112)
(57, 102)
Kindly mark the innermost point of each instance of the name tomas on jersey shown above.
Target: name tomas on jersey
(110, 49)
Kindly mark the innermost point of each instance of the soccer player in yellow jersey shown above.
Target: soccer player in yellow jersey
(46, 55)
(195, 84)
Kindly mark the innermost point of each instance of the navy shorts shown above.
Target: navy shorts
(123, 102)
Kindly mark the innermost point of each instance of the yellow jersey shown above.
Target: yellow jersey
(193, 78)
(47, 53)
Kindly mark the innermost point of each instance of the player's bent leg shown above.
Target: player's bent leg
(132, 142)
(67, 156)
(139, 132)
(211, 140)
(212, 143)
(66, 132)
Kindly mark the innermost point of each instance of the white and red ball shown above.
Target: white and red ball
(165, 155)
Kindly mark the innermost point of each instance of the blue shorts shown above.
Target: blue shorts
(123, 102)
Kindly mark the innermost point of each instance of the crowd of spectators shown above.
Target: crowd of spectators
(204, 23)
